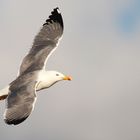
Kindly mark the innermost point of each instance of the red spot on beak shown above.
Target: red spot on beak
(67, 78)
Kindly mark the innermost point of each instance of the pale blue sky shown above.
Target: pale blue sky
(129, 17)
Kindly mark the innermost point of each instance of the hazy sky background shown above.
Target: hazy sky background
(100, 49)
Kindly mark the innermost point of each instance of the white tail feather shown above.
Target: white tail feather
(4, 93)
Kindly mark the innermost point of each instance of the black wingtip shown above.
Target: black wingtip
(56, 17)
(14, 122)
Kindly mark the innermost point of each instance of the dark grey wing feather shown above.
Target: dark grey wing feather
(44, 43)
(21, 99)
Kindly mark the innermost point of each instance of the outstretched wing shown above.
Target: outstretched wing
(21, 99)
(44, 43)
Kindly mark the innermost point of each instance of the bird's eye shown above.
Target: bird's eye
(57, 74)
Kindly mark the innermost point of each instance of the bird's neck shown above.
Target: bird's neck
(43, 85)
(45, 80)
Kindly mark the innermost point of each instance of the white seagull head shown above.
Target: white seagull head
(49, 78)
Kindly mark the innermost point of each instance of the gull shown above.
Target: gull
(20, 94)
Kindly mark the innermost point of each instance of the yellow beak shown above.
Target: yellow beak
(67, 78)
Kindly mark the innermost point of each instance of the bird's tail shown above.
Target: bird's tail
(4, 93)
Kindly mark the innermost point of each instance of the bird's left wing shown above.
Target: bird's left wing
(44, 43)
(21, 99)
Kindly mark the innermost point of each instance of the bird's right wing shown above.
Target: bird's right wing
(44, 43)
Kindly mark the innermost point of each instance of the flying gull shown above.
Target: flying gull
(20, 94)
